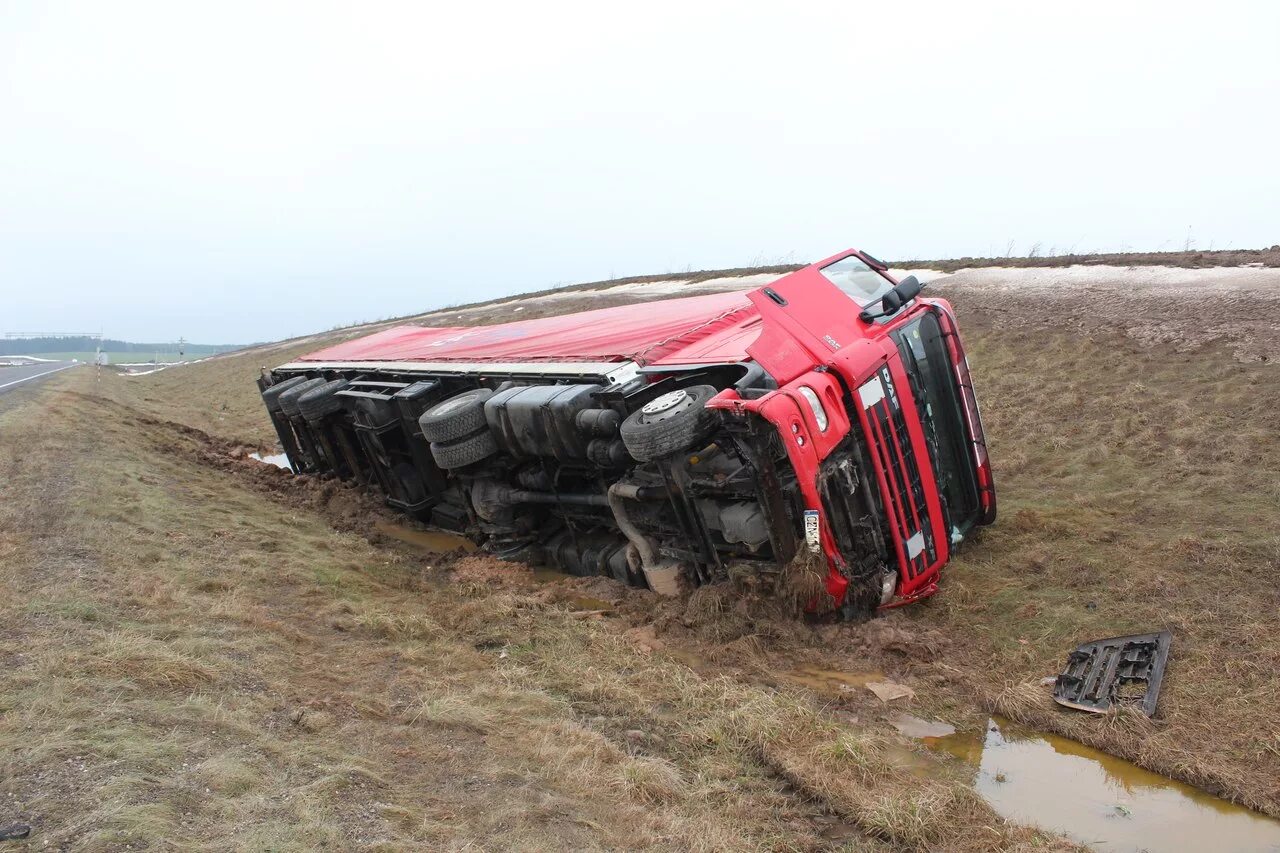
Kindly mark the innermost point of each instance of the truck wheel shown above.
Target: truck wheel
(464, 451)
(271, 396)
(669, 424)
(322, 400)
(289, 399)
(457, 416)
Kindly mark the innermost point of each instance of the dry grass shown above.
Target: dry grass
(216, 658)
(1192, 258)
(194, 663)
(1138, 491)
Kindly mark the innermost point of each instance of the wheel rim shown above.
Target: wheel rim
(665, 403)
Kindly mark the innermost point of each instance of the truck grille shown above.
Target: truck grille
(891, 445)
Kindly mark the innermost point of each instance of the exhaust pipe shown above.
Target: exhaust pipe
(661, 575)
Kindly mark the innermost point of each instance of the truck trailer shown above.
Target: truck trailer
(827, 420)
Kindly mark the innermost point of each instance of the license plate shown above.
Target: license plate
(811, 529)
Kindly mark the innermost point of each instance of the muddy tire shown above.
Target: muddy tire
(289, 399)
(458, 416)
(322, 400)
(669, 424)
(271, 396)
(464, 451)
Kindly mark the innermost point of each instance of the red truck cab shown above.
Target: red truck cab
(899, 382)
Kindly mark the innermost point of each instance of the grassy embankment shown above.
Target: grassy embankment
(167, 614)
(194, 661)
(1138, 490)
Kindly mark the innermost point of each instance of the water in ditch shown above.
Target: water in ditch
(1091, 796)
(428, 541)
(829, 682)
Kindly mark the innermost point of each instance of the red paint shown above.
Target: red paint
(801, 329)
(699, 329)
(821, 323)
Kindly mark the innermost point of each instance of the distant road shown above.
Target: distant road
(25, 375)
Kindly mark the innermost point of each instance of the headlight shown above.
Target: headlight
(819, 413)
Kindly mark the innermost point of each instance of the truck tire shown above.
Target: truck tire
(271, 395)
(464, 451)
(669, 424)
(322, 400)
(458, 416)
(289, 399)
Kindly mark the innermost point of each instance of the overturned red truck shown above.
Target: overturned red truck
(828, 416)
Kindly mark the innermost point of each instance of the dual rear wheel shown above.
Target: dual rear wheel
(458, 431)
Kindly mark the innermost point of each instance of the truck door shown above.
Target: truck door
(813, 313)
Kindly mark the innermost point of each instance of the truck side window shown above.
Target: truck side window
(858, 281)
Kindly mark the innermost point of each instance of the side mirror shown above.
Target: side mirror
(909, 288)
(906, 290)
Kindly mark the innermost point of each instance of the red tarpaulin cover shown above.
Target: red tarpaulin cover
(694, 330)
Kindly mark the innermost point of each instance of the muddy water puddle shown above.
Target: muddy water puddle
(1091, 796)
(691, 659)
(918, 728)
(430, 541)
(829, 682)
(280, 460)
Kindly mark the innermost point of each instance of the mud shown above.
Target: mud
(346, 506)
(424, 540)
(830, 682)
(915, 727)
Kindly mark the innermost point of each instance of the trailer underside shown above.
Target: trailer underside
(595, 468)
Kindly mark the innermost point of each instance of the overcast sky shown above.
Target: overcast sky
(238, 172)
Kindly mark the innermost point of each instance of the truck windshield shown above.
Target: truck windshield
(933, 384)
